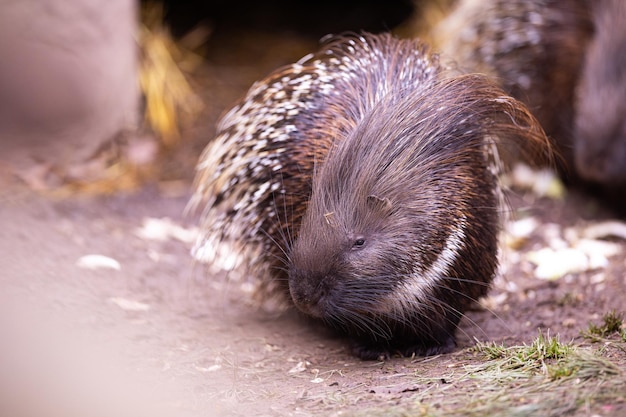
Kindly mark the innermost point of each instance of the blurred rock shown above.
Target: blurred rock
(68, 80)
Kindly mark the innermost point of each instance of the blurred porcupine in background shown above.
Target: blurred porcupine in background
(600, 116)
(361, 184)
(565, 59)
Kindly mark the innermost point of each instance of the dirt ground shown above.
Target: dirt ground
(155, 333)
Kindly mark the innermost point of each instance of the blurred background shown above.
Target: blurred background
(101, 96)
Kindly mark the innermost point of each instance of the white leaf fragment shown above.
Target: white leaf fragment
(165, 229)
(605, 229)
(211, 368)
(553, 264)
(95, 261)
(222, 256)
(129, 305)
(519, 231)
(543, 182)
(300, 367)
(583, 255)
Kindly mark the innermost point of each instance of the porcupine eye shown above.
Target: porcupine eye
(358, 243)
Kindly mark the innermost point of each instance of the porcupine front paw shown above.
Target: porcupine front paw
(372, 352)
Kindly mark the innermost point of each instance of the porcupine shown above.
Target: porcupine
(566, 60)
(600, 114)
(360, 182)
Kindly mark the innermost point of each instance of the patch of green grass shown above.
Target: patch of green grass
(524, 360)
(612, 322)
(547, 378)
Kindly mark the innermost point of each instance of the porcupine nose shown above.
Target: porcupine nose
(310, 294)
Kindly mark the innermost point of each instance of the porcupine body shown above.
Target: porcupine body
(566, 60)
(360, 183)
(600, 114)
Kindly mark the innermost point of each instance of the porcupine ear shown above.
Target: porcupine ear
(381, 205)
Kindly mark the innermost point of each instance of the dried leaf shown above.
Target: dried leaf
(129, 305)
(165, 229)
(96, 261)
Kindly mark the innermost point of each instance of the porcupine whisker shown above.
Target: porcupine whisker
(437, 306)
(286, 233)
(283, 251)
(359, 323)
(363, 299)
(484, 307)
(351, 313)
(460, 313)
(360, 296)
(464, 280)
(366, 325)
